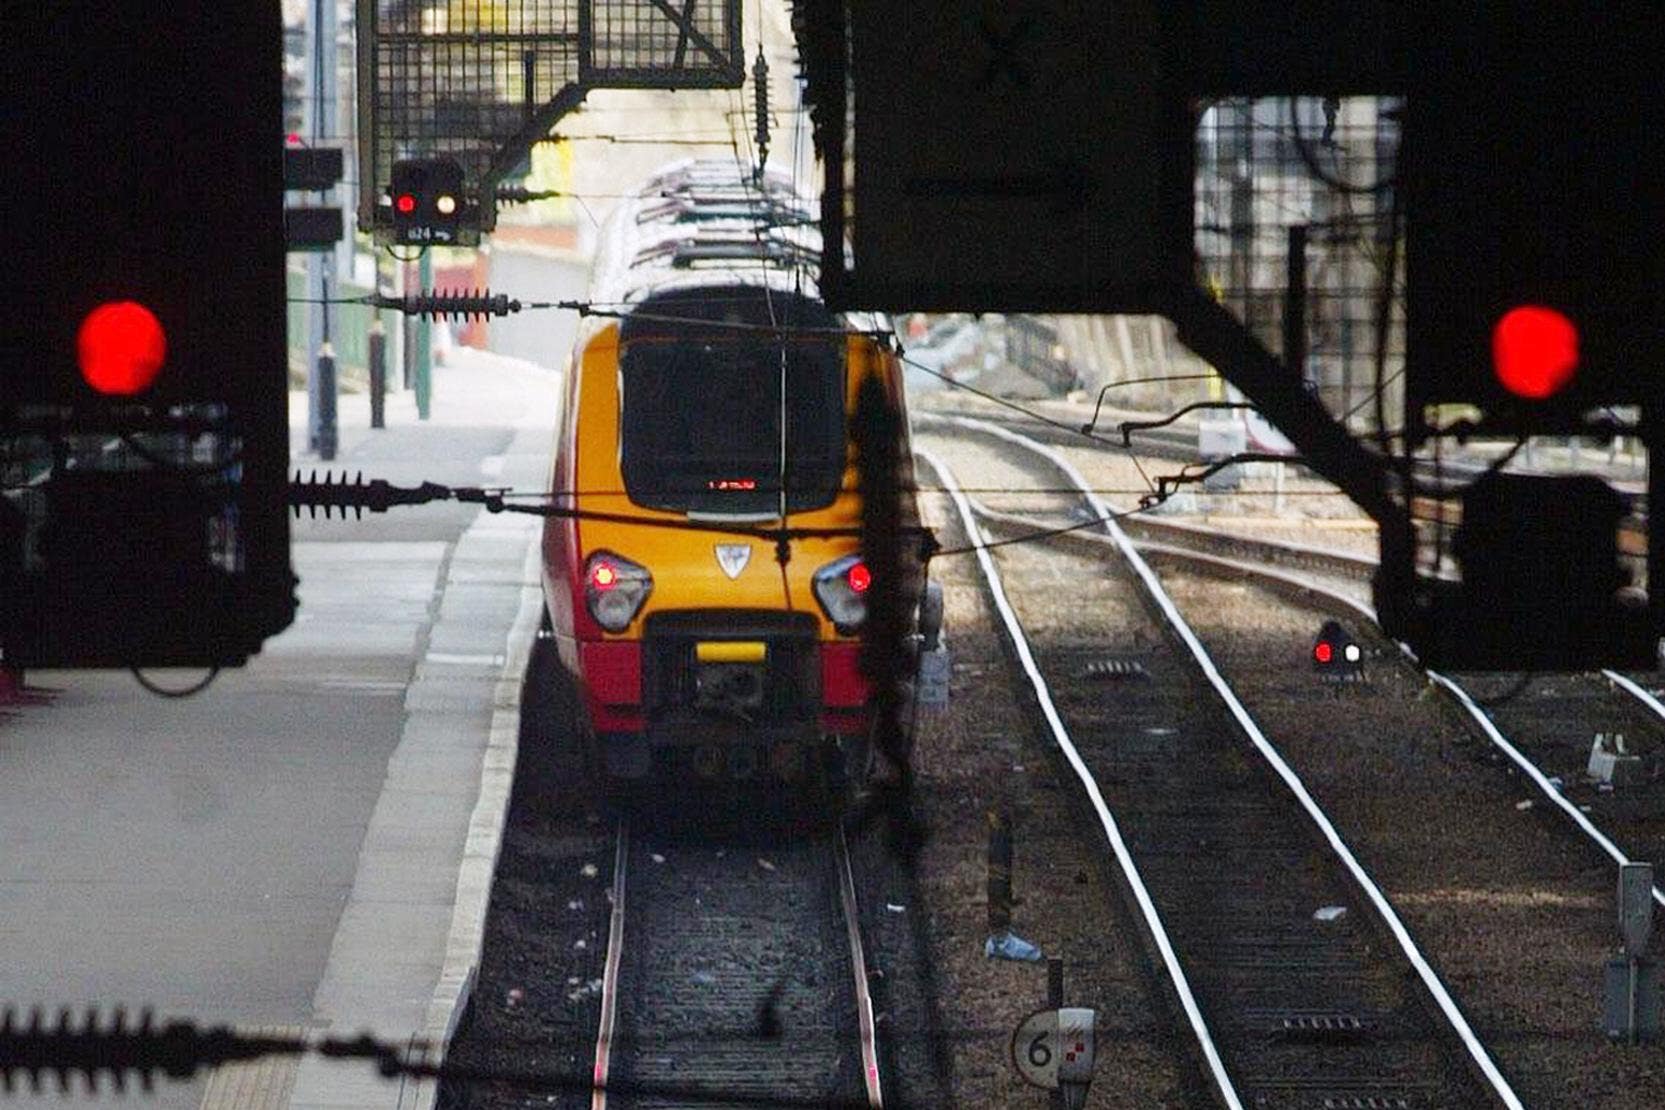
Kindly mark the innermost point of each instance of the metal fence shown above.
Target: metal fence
(1294, 204)
(651, 44)
(480, 81)
(1032, 345)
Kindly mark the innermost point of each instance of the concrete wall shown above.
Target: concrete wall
(543, 336)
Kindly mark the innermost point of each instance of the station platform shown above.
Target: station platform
(307, 844)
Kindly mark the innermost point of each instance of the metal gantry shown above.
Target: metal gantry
(1294, 205)
(480, 81)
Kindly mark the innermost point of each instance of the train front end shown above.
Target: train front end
(705, 643)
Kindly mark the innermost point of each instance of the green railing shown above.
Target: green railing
(349, 335)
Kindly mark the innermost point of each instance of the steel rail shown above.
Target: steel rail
(1222, 1081)
(1445, 683)
(866, 1022)
(858, 965)
(1344, 563)
(1180, 442)
(1183, 446)
(610, 975)
(1532, 772)
(1430, 979)
(1635, 690)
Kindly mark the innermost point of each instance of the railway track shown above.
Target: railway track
(1289, 1005)
(735, 976)
(1547, 739)
(1551, 721)
(1180, 444)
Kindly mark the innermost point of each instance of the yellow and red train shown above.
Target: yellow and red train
(713, 408)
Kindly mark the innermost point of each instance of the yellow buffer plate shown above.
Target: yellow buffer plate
(731, 651)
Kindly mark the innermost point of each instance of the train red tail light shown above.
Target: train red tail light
(839, 587)
(859, 578)
(121, 347)
(615, 589)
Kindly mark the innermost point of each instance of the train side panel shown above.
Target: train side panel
(560, 535)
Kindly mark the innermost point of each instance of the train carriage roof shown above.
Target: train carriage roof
(707, 223)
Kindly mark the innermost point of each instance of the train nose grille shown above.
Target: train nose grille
(728, 687)
(756, 664)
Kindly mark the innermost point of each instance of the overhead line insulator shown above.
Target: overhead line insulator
(760, 85)
(476, 305)
(520, 194)
(353, 494)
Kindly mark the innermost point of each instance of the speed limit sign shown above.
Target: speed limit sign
(1054, 1048)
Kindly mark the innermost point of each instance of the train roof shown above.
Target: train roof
(707, 222)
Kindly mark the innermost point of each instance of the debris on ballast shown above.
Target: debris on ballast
(1010, 946)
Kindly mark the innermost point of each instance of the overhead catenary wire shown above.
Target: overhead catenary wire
(1098, 406)
(1073, 429)
(120, 1050)
(613, 310)
(338, 492)
(1014, 491)
(1033, 536)
(111, 1046)
(760, 211)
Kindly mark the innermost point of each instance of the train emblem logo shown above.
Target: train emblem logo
(733, 557)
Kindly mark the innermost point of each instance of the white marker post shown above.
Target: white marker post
(1632, 1009)
(1053, 1050)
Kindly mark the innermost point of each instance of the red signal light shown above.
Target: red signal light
(405, 203)
(1534, 351)
(859, 578)
(121, 347)
(1322, 651)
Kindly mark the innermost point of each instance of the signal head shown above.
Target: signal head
(427, 200)
(121, 347)
(1335, 652)
(1534, 351)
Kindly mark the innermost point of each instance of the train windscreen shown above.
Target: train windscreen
(701, 404)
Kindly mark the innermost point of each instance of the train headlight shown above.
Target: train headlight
(841, 587)
(615, 589)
